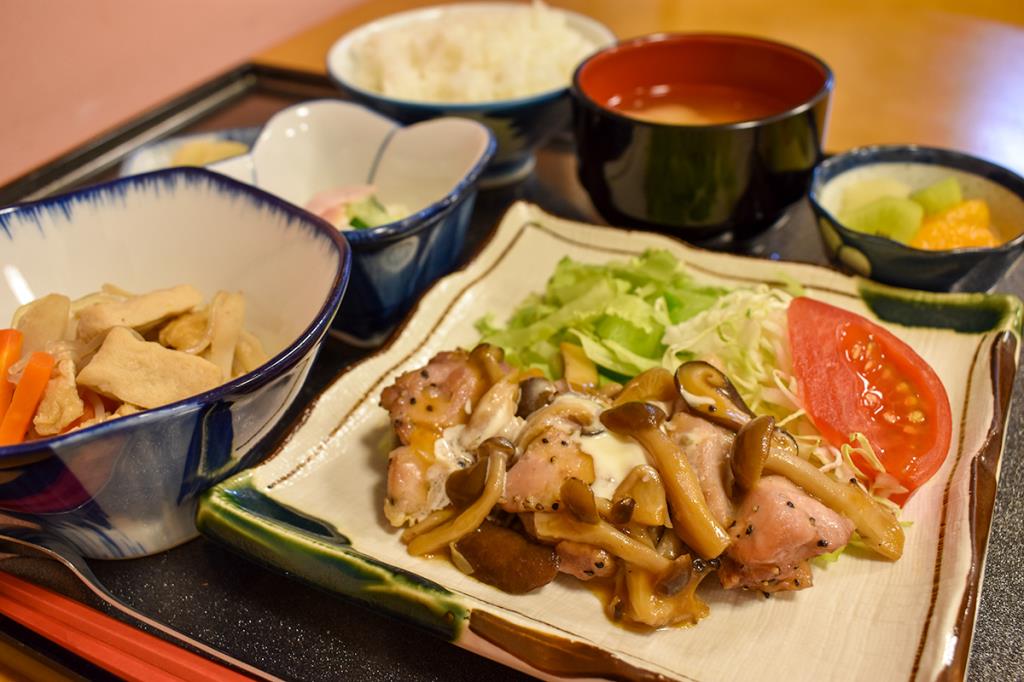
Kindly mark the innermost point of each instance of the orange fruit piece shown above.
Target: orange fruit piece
(965, 225)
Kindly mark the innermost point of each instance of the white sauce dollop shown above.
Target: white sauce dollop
(614, 457)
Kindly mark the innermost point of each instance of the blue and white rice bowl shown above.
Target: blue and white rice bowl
(521, 125)
(128, 487)
(431, 169)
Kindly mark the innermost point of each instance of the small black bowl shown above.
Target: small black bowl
(888, 261)
(698, 181)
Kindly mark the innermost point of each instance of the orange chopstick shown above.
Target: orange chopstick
(102, 640)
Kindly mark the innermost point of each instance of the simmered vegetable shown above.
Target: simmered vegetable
(113, 353)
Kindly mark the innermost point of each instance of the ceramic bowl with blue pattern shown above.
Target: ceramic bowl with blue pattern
(888, 261)
(128, 487)
(520, 125)
(431, 169)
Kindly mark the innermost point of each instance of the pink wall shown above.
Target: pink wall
(70, 69)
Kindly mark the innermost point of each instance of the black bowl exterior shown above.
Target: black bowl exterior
(692, 181)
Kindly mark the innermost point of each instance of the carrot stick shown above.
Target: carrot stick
(10, 351)
(27, 396)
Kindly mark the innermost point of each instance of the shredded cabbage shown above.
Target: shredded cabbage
(745, 334)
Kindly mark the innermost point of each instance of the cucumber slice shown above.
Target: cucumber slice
(368, 213)
(938, 197)
(890, 217)
(866, 191)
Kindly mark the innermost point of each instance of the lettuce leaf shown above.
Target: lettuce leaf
(617, 311)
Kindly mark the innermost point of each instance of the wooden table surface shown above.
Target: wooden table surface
(907, 71)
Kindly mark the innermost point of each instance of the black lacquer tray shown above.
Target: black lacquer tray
(294, 631)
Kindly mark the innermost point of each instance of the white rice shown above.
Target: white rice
(471, 55)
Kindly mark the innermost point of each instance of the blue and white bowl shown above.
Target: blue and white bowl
(520, 125)
(430, 168)
(160, 154)
(888, 261)
(128, 487)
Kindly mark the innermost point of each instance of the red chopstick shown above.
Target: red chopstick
(108, 643)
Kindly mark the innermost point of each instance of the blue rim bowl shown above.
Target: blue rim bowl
(129, 486)
(520, 125)
(890, 262)
(392, 264)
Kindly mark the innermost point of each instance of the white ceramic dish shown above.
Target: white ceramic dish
(325, 144)
(315, 509)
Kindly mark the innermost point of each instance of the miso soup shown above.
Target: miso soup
(697, 104)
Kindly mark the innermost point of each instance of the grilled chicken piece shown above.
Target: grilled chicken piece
(410, 486)
(494, 415)
(778, 528)
(584, 561)
(434, 397)
(424, 403)
(707, 448)
(137, 312)
(534, 482)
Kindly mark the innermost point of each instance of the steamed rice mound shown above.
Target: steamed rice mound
(472, 55)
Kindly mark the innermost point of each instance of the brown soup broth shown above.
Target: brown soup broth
(697, 104)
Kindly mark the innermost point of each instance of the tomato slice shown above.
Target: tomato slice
(855, 376)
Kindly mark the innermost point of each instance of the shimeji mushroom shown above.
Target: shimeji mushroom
(567, 409)
(692, 520)
(710, 394)
(643, 486)
(504, 558)
(562, 526)
(759, 445)
(578, 498)
(653, 384)
(496, 451)
(535, 393)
